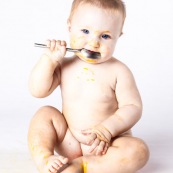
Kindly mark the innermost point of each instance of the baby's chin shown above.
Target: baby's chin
(86, 59)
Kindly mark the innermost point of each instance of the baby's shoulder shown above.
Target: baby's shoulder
(118, 66)
(122, 70)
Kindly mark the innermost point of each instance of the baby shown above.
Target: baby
(100, 100)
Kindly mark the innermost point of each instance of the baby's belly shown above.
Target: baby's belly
(80, 116)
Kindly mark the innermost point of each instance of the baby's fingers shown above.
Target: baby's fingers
(63, 43)
(94, 145)
(55, 45)
(105, 148)
(51, 44)
(100, 148)
(60, 45)
(56, 49)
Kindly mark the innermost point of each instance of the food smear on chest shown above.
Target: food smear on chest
(86, 75)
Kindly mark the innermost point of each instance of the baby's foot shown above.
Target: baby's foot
(54, 163)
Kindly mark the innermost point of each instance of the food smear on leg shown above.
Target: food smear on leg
(85, 167)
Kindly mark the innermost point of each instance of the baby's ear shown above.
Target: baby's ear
(69, 25)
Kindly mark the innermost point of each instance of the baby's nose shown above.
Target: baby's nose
(94, 43)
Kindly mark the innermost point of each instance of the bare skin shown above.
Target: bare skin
(101, 103)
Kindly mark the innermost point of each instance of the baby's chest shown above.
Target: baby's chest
(86, 84)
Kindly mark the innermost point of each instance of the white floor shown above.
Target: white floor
(16, 163)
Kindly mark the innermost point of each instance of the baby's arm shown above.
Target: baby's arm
(129, 104)
(45, 76)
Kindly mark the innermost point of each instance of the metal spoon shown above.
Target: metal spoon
(85, 52)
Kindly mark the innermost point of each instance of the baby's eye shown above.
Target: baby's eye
(85, 31)
(105, 36)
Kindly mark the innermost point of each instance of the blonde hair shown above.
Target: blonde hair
(112, 5)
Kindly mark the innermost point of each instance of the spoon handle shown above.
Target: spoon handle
(40, 45)
(73, 50)
(45, 46)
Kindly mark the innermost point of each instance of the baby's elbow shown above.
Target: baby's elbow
(37, 92)
(138, 109)
(37, 95)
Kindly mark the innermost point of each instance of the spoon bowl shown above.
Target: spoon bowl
(86, 53)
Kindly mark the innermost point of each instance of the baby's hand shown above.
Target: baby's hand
(98, 138)
(56, 49)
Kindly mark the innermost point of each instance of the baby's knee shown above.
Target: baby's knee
(48, 112)
(50, 115)
(138, 152)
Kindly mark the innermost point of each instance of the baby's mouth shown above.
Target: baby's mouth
(92, 54)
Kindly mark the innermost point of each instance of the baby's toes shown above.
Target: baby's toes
(63, 160)
(57, 164)
(53, 165)
(53, 168)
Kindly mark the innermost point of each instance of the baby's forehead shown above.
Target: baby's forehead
(107, 11)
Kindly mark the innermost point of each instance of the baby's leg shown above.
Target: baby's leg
(125, 155)
(48, 129)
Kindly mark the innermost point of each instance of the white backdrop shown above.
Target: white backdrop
(146, 47)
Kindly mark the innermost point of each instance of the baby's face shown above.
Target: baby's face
(96, 30)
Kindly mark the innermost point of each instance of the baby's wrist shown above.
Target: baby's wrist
(50, 60)
(103, 133)
(107, 130)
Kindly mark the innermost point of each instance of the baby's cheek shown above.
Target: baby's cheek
(76, 42)
(105, 50)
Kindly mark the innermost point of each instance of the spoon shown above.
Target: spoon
(85, 52)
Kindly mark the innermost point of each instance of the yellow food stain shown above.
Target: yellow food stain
(96, 32)
(81, 56)
(76, 41)
(38, 152)
(47, 162)
(44, 156)
(84, 167)
(34, 148)
(85, 68)
(86, 75)
(90, 60)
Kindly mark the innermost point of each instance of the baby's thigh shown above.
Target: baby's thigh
(69, 147)
(131, 150)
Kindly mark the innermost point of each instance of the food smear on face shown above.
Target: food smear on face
(76, 42)
(84, 58)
